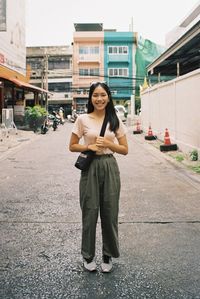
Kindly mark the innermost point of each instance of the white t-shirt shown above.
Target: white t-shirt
(89, 128)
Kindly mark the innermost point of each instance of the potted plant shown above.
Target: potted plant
(194, 155)
(35, 116)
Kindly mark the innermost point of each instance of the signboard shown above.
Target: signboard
(12, 39)
(2, 15)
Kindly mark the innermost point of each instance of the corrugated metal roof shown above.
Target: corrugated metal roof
(88, 26)
(184, 51)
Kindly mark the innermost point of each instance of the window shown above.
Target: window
(94, 72)
(83, 72)
(58, 63)
(81, 91)
(89, 72)
(35, 64)
(89, 50)
(94, 50)
(60, 87)
(118, 50)
(83, 50)
(118, 72)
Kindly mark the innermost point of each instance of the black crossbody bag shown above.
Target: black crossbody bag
(85, 158)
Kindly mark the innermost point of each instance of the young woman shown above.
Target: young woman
(100, 184)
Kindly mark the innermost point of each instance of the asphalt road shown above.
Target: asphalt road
(40, 225)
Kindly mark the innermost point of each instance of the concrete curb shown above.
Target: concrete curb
(191, 176)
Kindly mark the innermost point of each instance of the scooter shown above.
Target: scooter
(56, 122)
(45, 127)
(74, 116)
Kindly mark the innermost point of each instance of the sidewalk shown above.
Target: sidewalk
(14, 140)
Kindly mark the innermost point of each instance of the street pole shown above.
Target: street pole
(46, 79)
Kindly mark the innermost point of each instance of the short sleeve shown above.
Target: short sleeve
(78, 127)
(122, 130)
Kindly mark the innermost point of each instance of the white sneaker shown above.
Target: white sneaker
(107, 264)
(89, 266)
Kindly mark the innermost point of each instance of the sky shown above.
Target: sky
(51, 22)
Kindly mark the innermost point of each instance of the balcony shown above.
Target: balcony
(89, 58)
(118, 58)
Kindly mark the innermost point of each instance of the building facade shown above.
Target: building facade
(14, 78)
(12, 35)
(51, 68)
(119, 53)
(102, 55)
(88, 61)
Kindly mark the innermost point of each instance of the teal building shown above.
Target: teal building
(119, 64)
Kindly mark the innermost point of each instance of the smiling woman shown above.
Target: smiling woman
(100, 184)
(99, 98)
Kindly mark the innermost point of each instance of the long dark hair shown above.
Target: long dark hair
(110, 110)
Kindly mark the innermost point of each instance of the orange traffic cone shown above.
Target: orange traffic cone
(150, 135)
(138, 129)
(167, 140)
(168, 146)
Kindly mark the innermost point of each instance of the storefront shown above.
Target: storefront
(13, 90)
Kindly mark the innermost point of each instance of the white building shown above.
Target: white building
(187, 22)
(51, 68)
(14, 80)
(12, 35)
(173, 100)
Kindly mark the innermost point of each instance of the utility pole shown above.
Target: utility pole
(46, 71)
(46, 80)
(44, 77)
(131, 25)
(131, 103)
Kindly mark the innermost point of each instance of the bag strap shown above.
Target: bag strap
(103, 128)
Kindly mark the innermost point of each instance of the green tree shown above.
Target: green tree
(35, 116)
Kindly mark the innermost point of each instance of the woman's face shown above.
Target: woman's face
(100, 98)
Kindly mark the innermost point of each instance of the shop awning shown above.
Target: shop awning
(28, 86)
(18, 79)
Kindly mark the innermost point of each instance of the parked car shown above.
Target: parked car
(121, 112)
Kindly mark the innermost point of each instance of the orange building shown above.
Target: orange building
(88, 61)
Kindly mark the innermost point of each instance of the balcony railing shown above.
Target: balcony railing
(89, 58)
(118, 58)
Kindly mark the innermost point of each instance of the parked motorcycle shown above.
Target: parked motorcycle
(73, 116)
(45, 127)
(61, 115)
(56, 122)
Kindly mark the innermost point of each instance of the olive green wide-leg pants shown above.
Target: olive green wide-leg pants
(99, 191)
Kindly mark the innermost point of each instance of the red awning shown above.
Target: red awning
(18, 79)
(27, 85)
